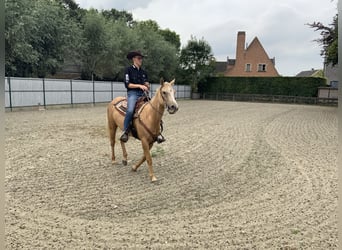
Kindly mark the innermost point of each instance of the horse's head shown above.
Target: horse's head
(168, 94)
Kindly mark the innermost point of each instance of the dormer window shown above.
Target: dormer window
(261, 67)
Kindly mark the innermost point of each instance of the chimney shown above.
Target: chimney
(240, 44)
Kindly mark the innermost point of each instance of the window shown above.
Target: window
(248, 67)
(334, 84)
(262, 67)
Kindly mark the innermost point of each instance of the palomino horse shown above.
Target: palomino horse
(147, 124)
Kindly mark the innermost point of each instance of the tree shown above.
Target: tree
(196, 62)
(161, 56)
(96, 44)
(41, 36)
(122, 39)
(168, 35)
(52, 37)
(171, 37)
(20, 54)
(38, 37)
(118, 16)
(328, 40)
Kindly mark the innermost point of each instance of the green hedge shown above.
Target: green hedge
(291, 86)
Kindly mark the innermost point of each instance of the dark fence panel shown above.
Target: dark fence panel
(269, 98)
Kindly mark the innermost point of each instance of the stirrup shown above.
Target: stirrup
(160, 138)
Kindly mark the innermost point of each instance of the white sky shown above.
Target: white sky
(279, 25)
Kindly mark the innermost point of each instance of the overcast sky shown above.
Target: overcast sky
(279, 25)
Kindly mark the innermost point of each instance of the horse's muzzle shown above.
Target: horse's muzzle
(172, 109)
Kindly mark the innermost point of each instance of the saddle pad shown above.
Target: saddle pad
(121, 106)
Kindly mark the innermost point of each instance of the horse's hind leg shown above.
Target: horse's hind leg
(124, 153)
(112, 132)
(138, 164)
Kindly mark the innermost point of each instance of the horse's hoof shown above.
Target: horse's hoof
(113, 162)
(124, 162)
(134, 168)
(153, 179)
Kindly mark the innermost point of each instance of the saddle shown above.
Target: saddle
(121, 106)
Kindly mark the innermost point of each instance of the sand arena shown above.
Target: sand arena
(231, 176)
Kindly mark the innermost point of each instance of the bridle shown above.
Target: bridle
(154, 108)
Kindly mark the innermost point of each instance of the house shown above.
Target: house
(251, 60)
(331, 73)
(311, 73)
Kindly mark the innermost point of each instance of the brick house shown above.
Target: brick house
(250, 60)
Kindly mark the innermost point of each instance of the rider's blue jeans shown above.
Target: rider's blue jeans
(132, 97)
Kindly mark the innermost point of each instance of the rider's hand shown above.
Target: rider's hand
(147, 85)
(143, 88)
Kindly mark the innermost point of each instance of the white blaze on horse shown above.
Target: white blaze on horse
(147, 124)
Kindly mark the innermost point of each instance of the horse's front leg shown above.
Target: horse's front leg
(146, 147)
(142, 160)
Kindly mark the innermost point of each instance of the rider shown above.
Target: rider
(136, 83)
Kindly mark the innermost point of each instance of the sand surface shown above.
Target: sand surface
(232, 175)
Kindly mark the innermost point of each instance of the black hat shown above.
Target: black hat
(132, 54)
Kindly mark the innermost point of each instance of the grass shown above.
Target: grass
(157, 151)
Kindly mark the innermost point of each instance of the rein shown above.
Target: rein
(149, 99)
(154, 137)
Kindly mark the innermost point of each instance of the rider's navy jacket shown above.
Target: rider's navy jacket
(135, 75)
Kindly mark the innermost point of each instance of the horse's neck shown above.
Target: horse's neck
(157, 106)
(154, 114)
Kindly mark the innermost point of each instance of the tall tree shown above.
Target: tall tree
(168, 35)
(329, 40)
(38, 37)
(52, 38)
(20, 54)
(96, 44)
(196, 62)
(171, 37)
(161, 56)
(118, 16)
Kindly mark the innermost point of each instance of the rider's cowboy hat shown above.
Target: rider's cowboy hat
(132, 54)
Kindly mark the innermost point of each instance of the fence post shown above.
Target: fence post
(71, 98)
(9, 91)
(151, 90)
(44, 93)
(93, 92)
(111, 90)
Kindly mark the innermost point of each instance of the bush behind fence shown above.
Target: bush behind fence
(286, 86)
(27, 92)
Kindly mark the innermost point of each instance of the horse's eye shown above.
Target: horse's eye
(164, 92)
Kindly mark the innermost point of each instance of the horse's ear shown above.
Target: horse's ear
(173, 82)
(161, 81)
